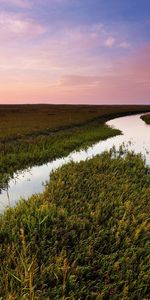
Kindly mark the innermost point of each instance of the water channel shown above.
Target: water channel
(135, 136)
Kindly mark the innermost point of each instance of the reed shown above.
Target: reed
(81, 239)
(35, 134)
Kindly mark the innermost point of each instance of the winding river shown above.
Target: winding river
(135, 136)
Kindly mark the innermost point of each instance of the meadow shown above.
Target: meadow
(35, 134)
(85, 237)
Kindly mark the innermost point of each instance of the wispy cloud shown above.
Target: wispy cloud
(78, 80)
(18, 26)
(69, 50)
(110, 42)
(19, 3)
(124, 45)
(27, 4)
(128, 81)
(89, 36)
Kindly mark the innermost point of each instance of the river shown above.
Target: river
(135, 136)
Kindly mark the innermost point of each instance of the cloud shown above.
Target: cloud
(138, 67)
(18, 26)
(124, 45)
(70, 62)
(27, 4)
(110, 42)
(80, 80)
(82, 37)
(19, 3)
(128, 82)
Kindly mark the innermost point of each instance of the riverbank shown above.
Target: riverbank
(26, 153)
(146, 119)
(33, 135)
(135, 138)
(85, 237)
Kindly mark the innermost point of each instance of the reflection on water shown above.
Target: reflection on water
(136, 136)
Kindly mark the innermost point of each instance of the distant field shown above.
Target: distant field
(146, 119)
(35, 134)
(18, 120)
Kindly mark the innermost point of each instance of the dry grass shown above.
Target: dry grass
(27, 119)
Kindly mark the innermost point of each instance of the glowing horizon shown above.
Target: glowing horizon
(74, 51)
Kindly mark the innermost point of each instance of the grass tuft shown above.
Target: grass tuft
(81, 239)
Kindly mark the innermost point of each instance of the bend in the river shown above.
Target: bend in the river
(136, 136)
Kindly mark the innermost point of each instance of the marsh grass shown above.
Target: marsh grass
(85, 237)
(17, 121)
(18, 155)
(35, 134)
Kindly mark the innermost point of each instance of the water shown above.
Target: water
(136, 136)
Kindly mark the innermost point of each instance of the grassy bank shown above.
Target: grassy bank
(17, 155)
(34, 134)
(81, 239)
(33, 120)
(146, 119)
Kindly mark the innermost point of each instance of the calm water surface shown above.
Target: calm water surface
(136, 136)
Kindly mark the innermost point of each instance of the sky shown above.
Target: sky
(75, 51)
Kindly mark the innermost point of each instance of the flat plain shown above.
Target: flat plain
(87, 235)
(35, 134)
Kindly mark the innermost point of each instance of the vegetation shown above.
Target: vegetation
(146, 118)
(34, 134)
(81, 239)
(18, 155)
(33, 120)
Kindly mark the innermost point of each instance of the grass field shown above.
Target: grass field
(32, 120)
(85, 237)
(35, 134)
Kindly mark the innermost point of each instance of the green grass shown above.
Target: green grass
(146, 118)
(35, 134)
(25, 153)
(85, 237)
(32, 120)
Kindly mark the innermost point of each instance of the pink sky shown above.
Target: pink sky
(43, 62)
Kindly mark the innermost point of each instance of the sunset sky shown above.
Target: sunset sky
(75, 51)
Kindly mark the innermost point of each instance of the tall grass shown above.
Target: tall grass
(20, 154)
(32, 120)
(85, 237)
(35, 134)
